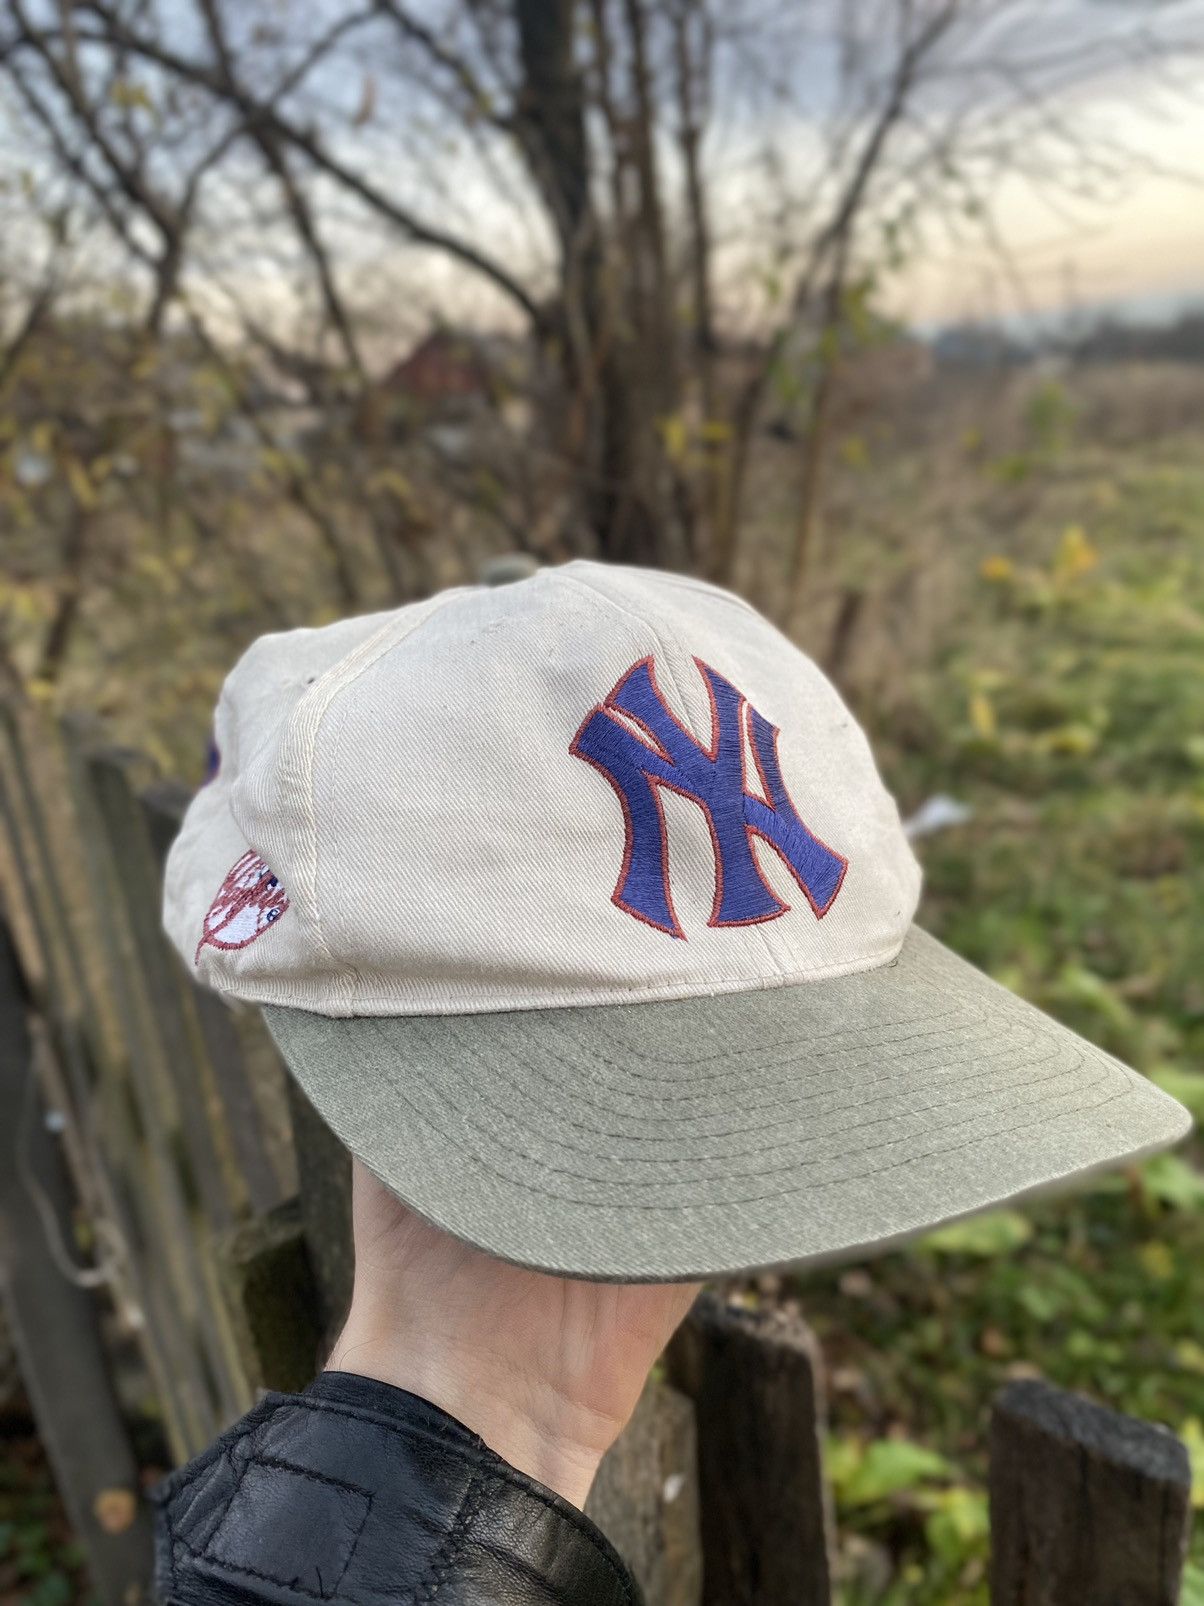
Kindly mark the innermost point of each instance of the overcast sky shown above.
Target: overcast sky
(1146, 250)
(1137, 242)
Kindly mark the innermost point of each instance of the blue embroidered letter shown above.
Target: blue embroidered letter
(713, 779)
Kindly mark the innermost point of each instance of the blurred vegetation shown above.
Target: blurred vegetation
(40, 1564)
(1064, 703)
(1008, 583)
(217, 221)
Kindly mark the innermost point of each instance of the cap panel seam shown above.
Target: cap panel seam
(296, 751)
(701, 588)
(305, 725)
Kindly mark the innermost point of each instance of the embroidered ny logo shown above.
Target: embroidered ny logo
(715, 779)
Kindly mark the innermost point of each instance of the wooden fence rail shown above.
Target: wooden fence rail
(191, 1181)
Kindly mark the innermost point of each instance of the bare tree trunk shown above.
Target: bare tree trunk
(66, 608)
(806, 524)
(815, 451)
(692, 64)
(35, 316)
(649, 288)
(612, 422)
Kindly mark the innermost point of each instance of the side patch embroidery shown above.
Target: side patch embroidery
(249, 900)
(666, 755)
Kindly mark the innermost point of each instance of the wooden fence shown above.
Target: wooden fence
(174, 1222)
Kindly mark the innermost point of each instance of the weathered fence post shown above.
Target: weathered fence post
(645, 1498)
(324, 1188)
(755, 1378)
(273, 1298)
(55, 1327)
(163, 1142)
(47, 844)
(1088, 1507)
(39, 905)
(176, 1063)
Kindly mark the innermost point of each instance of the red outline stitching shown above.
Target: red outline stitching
(243, 899)
(781, 907)
(816, 909)
(610, 709)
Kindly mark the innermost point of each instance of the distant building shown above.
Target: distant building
(454, 389)
(447, 374)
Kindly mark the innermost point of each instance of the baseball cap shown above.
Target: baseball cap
(579, 911)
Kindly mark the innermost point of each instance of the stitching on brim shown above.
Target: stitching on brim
(1035, 1026)
(777, 1193)
(862, 1105)
(776, 1106)
(627, 1184)
(881, 959)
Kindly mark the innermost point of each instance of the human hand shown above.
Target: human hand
(546, 1369)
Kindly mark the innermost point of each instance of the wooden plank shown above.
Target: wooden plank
(153, 1268)
(178, 1092)
(645, 1498)
(91, 1182)
(179, 1280)
(212, 1173)
(90, 1076)
(269, 1082)
(30, 871)
(21, 884)
(55, 1327)
(32, 836)
(324, 1186)
(755, 1379)
(39, 954)
(272, 1290)
(97, 1146)
(1088, 1507)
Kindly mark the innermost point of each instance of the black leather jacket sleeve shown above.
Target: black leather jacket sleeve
(357, 1492)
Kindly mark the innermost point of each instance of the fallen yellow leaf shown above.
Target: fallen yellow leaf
(1076, 555)
(997, 568)
(982, 715)
(115, 1509)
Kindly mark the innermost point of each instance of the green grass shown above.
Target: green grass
(40, 1565)
(1033, 643)
(1065, 704)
